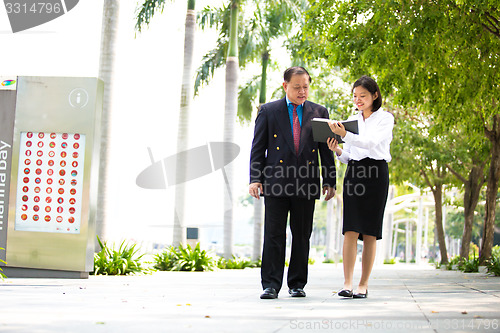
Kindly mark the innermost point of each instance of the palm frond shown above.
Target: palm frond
(146, 11)
(247, 97)
(210, 62)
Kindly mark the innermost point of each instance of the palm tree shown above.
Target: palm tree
(271, 20)
(145, 13)
(106, 72)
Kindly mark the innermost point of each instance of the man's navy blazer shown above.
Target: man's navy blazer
(274, 162)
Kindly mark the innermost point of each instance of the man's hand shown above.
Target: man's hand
(330, 192)
(255, 189)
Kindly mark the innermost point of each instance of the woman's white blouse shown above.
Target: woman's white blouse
(373, 140)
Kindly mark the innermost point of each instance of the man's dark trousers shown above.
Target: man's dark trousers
(273, 256)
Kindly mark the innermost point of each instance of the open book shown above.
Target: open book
(322, 131)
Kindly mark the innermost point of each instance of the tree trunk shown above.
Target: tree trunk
(231, 108)
(110, 15)
(473, 187)
(491, 189)
(179, 232)
(258, 204)
(438, 205)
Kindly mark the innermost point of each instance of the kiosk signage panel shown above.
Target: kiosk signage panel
(55, 160)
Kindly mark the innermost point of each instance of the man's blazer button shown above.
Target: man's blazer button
(310, 162)
(281, 161)
(277, 148)
(275, 135)
(314, 150)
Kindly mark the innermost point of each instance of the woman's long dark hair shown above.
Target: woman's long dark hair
(369, 84)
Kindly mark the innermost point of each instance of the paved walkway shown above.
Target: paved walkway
(402, 298)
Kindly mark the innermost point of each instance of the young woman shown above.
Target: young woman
(366, 181)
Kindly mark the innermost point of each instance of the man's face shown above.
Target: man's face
(297, 89)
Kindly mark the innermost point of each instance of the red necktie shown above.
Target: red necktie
(296, 129)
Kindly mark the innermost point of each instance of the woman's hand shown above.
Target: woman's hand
(334, 146)
(338, 128)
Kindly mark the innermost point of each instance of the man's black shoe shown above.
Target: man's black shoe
(269, 293)
(297, 292)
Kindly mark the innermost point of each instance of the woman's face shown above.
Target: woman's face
(363, 99)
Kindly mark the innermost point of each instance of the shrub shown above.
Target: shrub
(236, 263)
(493, 264)
(2, 275)
(456, 260)
(189, 259)
(123, 261)
(311, 261)
(166, 260)
(328, 261)
(391, 261)
(470, 265)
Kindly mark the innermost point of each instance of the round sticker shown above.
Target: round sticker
(73, 191)
(36, 208)
(64, 145)
(40, 144)
(73, 182)
(39, 162)
(47, 218)
(24, 217)
(25, 189)
(65, 136)
(26, 180)
(53, 135)
(48, 209)
(38, 171)
(24, 207)
(25, 198)
(77, 136)
(26, 171)
(51, 154)
(51, 163)
(61, 191)
(59, 209)
(72, 210)
(60, 200)
(61, 181)
(48, 199)
(28, 143)
(35, 217)
(74, 164)
(29, 135)
(37, 189)
(50, 172)
(49, 190)
(76, 145)
(63, 163)
(75, 155)
(62, 173)
(28, 153)
(49, 181)
(36, 199)
(71, 220)
(41, 135)
(52, 144)
(38, 180)
(39, 153)
(63, 154)
(74, 173)
(27, 161)
(72, 201)
(59, 219)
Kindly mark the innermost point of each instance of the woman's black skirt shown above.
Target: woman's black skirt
(366, 184)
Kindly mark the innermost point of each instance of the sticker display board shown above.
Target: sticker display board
(49, 185)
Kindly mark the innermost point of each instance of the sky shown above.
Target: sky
(145, 107)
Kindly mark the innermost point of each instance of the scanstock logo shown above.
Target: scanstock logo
(26, 14)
